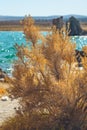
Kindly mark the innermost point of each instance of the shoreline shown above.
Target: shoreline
(20, 28)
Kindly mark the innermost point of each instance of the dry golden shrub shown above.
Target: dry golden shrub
(2, 91)
(53, 93)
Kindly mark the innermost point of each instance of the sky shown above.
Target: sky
(42, 7)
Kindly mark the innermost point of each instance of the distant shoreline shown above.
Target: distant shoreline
(43, 26)
(20, 28)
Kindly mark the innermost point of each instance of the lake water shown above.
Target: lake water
(7, 50)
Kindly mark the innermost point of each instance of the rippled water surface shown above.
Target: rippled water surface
(7, 50)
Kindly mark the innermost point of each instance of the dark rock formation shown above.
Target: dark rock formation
(73, 26)
(58, 22)
(79, 55)
(3, 75)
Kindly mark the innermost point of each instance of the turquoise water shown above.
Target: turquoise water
(80, 41)
(7, 50)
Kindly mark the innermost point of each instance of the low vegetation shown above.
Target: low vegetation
(16, 25)
(52, 89)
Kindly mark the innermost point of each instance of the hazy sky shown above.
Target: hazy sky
(42, 7)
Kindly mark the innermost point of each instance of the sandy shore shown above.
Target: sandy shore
(7, 109)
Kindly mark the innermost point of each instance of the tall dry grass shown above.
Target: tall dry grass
(53, 92)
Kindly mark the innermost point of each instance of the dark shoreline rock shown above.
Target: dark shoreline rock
(79, 55)
(58, 22)
(3, 75)
(72, 26)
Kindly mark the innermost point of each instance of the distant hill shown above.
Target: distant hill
(81, 18)
(66, 17)
(10, 18)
